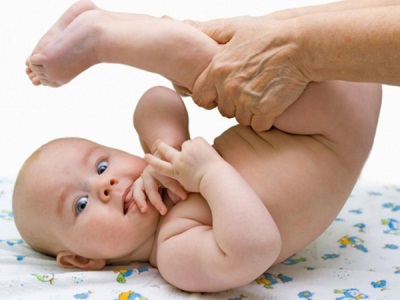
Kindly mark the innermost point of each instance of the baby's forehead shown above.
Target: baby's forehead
(67, 149)
(66, 144)
(57, 156)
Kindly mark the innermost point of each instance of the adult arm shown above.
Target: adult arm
(338, 6)
(255, 77)
(355, 45)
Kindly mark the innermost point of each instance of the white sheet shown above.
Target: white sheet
(358, 257)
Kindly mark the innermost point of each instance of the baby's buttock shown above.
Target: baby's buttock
(302, 181)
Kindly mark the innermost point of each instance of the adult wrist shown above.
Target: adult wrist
(312, 49)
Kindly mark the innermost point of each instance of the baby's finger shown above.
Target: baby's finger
(174, 198)
(159, 165)
(152, 192)
(139, 196)
(168, 152)
(175, 188)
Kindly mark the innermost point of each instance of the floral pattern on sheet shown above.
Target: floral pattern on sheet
(358, 257)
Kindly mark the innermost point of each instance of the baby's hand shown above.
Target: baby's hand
(147, 187)
(187, 166)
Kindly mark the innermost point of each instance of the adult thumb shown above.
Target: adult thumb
(220, 30)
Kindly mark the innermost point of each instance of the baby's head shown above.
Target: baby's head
(73, 200)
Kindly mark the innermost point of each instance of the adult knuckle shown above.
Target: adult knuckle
(219, 67)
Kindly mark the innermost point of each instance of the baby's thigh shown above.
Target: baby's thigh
(343, 115)
(330, 106)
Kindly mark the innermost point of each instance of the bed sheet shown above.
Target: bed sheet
(358, 257)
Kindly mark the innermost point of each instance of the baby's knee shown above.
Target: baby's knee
(158, 92)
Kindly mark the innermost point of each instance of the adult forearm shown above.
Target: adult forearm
(356, 45)
(332, 7)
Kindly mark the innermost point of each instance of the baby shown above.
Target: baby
(238, 207)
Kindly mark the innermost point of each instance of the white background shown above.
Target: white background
(99, 103)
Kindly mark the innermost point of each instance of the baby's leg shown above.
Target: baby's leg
(62, 23)
(342, 115)
(173, 49)
(331, 129)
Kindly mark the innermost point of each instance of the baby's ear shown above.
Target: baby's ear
(68, 259)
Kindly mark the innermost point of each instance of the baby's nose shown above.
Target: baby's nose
(106, 188)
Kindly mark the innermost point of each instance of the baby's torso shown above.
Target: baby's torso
(303, 183)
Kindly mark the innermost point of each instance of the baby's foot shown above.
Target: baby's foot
(47, 52)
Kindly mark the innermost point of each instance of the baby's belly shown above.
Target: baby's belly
(303, 183)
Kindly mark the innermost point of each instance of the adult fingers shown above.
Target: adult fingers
(270, 107)
(227, 108)
(243, 115)
(204, 90)
(262, 122)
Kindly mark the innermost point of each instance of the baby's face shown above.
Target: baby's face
(84, 195)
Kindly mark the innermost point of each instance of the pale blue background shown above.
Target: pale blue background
(99, 103)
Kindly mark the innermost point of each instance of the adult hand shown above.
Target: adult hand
(257, 74)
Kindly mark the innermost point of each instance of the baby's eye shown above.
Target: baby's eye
(81, 204)
(102, 166)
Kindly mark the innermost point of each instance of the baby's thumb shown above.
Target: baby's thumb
(221, 30)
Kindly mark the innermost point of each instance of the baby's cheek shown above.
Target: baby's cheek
(110, 242)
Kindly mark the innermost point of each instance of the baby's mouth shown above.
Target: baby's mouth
(127, 200)
(127, 205)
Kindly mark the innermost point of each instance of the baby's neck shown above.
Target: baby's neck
(143, 254)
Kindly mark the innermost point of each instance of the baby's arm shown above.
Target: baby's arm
(243, 240)
(160, 115)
